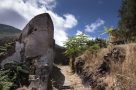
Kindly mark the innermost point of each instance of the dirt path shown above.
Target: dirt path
(65, 80)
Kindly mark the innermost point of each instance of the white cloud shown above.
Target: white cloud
(27, 9)
(89, 37)
(79, 32)
(11, 17)
(70, 21)
(50, 4)
(60, 28)
(92, 27)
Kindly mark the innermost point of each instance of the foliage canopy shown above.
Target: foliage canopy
(13, 76)
(127, 23)
(79, 43)
(76, 44)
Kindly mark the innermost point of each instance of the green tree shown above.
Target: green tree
(74, 46)
(127, 23)
(77, 44)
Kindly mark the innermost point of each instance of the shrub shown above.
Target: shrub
(76, 44)
(94, 48)
(13, 75)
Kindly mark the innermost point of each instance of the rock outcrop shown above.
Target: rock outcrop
(38, 41)
(35, 47)
(95, 70)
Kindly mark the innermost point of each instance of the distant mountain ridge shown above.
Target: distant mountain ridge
(8, 29)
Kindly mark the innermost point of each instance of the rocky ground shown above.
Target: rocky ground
(64, 79)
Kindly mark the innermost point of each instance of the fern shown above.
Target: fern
(5, 82)
(13, 75)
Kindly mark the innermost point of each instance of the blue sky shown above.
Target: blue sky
(69, 16)
(89, 11)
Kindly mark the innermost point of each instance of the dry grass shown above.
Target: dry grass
(94, 60)
(125, 73)
(122, 75)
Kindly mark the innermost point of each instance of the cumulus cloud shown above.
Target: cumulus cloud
(93, 26)
(27, 9)
(11, 17)
(70, 21)
(89, 37)
(79, 32)
(60, 26)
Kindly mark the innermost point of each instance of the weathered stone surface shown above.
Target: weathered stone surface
(38, 36)
(38, 41)
(35, 47)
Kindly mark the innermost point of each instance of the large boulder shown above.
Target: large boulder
(38, 41)
(35, 47)
(38, 36)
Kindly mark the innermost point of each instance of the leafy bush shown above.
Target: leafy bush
(76, 44)
(6, 49)
(101, 42)
(5, 82)
(94, 48)
(13, 75)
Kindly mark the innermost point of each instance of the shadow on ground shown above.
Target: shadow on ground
(57, 79)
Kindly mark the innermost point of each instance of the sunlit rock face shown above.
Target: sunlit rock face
(38, 42)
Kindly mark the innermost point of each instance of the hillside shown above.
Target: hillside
(111, 68)
(6, 31)
(7, 37)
